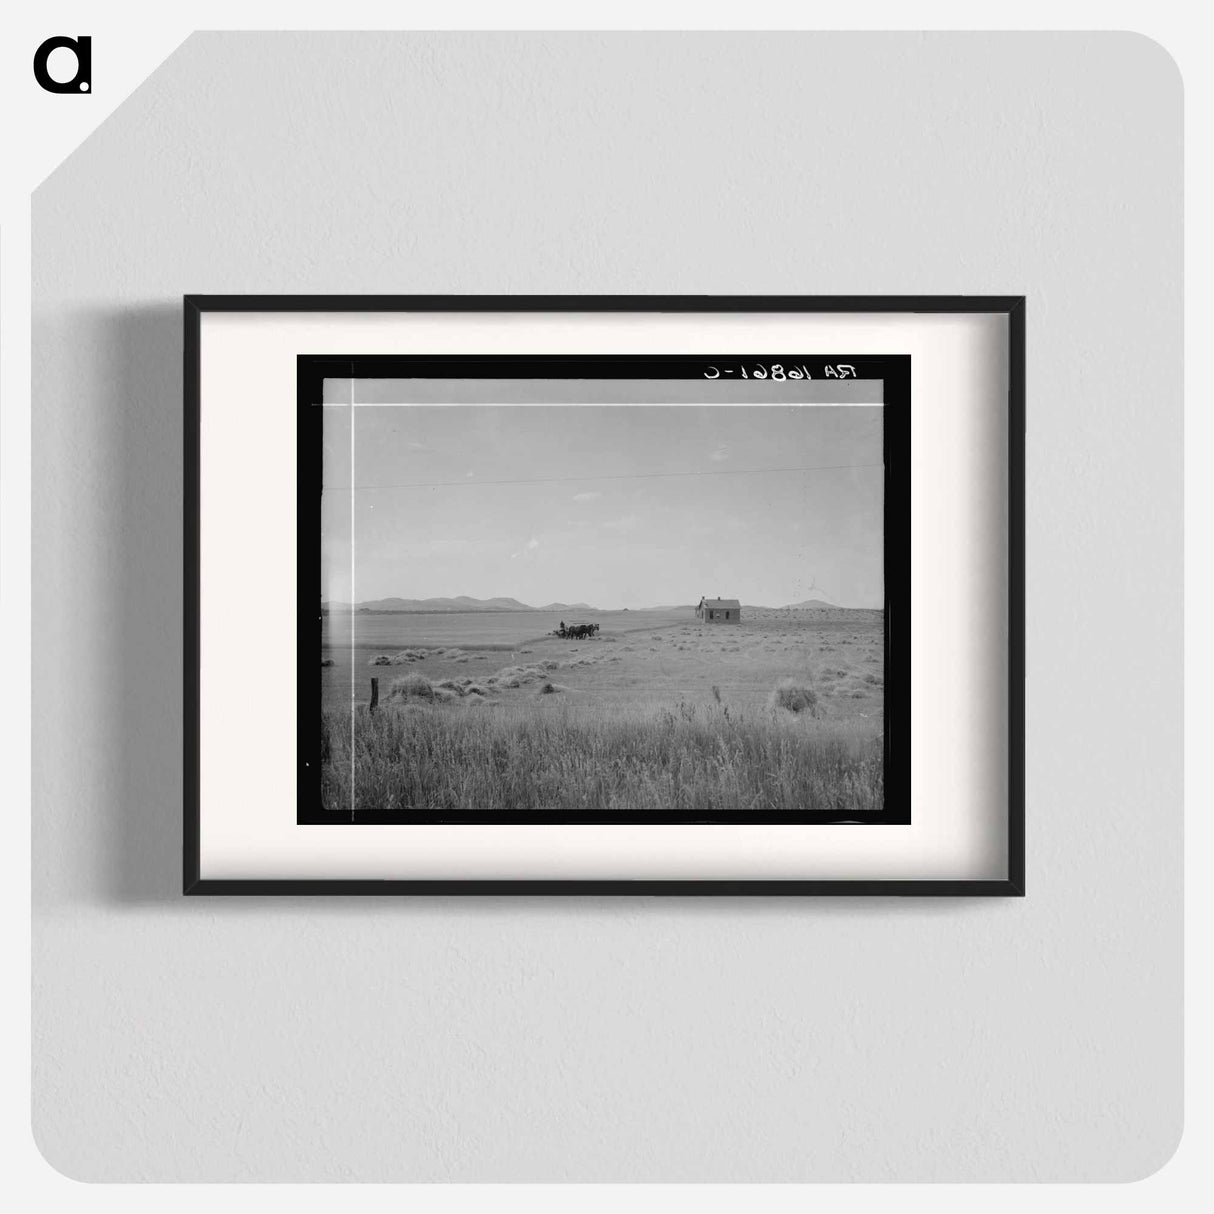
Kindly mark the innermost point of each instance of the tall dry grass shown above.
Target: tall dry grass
(555, 753)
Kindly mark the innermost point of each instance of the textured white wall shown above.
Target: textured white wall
(625, 1039)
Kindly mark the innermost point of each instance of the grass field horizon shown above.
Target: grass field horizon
(487, 711)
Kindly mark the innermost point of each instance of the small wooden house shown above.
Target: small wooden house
(719, 611)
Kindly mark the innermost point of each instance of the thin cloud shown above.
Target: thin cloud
(528, 549)
(627, 523)
(720, 454)
(586, 497)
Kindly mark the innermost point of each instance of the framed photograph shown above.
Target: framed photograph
(686, 595)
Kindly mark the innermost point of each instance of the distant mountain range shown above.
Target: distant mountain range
(460, 603)
(464, 603)
(805, 605)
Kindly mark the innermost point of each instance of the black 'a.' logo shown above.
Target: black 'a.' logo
(82, 81)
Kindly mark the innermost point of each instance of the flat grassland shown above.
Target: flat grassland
(783, 711)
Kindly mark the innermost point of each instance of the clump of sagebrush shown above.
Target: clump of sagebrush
(519, 676)
(417, 690)
(411, 687)
(399, 659)
(795, 697)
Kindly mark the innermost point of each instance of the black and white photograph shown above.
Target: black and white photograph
(610, 592)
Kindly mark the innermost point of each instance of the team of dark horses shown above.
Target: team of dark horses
(576, 632)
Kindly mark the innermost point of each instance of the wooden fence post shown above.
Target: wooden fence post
(374, 694)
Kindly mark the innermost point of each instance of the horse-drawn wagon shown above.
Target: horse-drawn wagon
(575, 632)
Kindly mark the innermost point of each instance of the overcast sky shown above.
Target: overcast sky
(767, 538)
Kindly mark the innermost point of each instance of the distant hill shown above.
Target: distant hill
(464, 602)
(807, 605)
(461, 602)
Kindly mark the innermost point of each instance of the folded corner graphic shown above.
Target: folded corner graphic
(65, 83)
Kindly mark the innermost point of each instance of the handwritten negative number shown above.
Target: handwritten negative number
(777, 371)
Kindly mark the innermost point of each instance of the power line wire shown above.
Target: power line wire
(635, 476)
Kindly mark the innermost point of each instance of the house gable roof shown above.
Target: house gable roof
(731, 603)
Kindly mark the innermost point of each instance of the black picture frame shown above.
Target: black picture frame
(898, 713)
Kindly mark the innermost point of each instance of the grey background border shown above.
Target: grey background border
(471, 1040)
